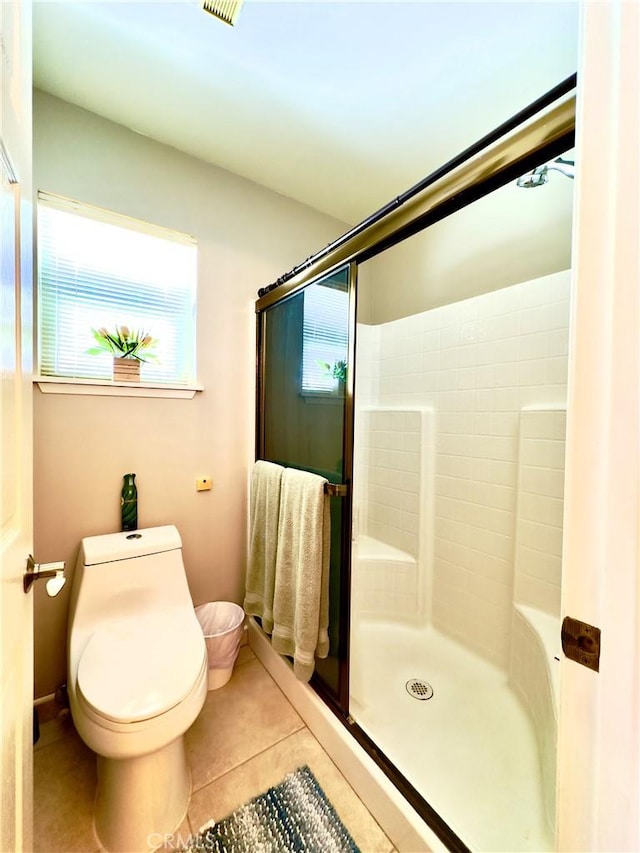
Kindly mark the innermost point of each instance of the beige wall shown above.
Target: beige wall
(511, 235)
(247, 236)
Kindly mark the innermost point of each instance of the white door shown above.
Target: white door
(599, 733)
(16, 534)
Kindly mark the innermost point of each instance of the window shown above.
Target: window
(325, 332)
(98, 269)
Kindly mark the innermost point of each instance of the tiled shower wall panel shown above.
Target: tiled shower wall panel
(366, 395)
(538, 554)
(478, 364)
(392, 464)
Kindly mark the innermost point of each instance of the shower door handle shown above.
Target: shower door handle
(336, 490)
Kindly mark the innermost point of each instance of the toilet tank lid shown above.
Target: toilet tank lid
(124, 546)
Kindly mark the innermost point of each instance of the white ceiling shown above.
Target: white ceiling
(341, 105)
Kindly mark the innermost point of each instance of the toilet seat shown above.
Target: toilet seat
(139, 668)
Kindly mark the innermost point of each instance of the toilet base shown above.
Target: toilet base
(141, 800)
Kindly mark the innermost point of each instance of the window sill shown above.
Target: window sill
(322, 398)
(108, 388)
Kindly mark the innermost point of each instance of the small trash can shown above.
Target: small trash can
(221, 623)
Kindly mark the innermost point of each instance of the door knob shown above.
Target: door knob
(54, 572)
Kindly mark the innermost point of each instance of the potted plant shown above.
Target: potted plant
(336, 371)
(128, 347)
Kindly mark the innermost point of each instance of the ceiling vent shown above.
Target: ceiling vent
(226, 10)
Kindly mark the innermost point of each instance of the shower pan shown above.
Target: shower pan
(419, 364)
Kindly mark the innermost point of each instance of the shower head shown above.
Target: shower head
(536, 178)
(540, 175)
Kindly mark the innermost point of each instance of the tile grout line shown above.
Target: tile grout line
(302, 728)
(391, 848)
(247, 760)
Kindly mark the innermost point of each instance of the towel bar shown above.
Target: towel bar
(336, 490)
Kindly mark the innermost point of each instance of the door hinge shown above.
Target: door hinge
(581, 642)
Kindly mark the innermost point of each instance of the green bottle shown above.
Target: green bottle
(129, 503)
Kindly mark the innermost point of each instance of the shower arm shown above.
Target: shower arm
(557, 164)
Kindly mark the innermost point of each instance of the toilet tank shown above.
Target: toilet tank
(123, 574)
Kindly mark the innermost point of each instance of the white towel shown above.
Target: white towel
(301, 594)
(265, 508)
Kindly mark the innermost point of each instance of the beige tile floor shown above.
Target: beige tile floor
(247, 738)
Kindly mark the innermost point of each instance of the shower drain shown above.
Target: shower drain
(419, 689)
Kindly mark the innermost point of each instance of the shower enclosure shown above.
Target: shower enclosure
(421, 367)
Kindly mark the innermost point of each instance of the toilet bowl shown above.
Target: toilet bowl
(137, 680)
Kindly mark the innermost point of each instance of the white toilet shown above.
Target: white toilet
(137, 680)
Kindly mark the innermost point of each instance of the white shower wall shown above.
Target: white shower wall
(540, 506)
(477, 365)
(392, 450)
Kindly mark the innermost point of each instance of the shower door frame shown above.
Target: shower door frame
(540, 132)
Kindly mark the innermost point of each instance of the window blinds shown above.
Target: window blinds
(99, 269)
(324, 336)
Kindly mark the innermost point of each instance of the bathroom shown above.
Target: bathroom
(246, 239)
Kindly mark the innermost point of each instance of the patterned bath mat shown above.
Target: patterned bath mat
(292, 816)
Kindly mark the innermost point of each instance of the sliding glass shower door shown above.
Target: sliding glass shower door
(305, 422)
